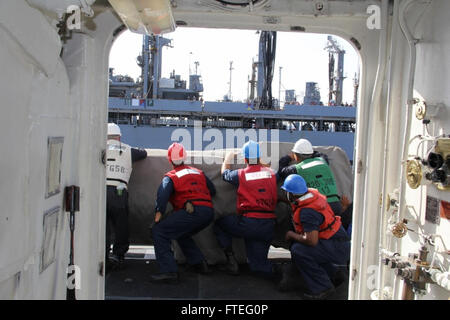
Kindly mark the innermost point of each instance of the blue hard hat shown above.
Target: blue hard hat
(295, 184)
(250, 150)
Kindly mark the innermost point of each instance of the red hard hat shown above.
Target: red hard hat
(176, 153)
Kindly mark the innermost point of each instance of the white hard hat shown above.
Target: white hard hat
(303, 146)
(113, 130)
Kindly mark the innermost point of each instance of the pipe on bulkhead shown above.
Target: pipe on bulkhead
(409, 103)
(375, 101)
(382, 53)
(407, 293)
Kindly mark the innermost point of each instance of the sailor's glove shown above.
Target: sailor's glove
(284, 161)
(345, 203)
(229, 158)
(189, 207)
(157, 218)
(103, 157)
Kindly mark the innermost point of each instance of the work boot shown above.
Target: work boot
(110, 266)
(277, 270)
(324, 295)
(114, 263)
(339, 278)
(291, 279)
(201, 268)
(166, 277)
(118, 261)
(231, 267)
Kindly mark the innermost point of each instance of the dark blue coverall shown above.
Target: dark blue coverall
(180, 226)
(317, 264)
(257, 233)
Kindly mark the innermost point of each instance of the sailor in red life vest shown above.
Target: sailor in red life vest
(319, 240)
(255, 221)
(189, 191)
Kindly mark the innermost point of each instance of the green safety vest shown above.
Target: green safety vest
(318, 175)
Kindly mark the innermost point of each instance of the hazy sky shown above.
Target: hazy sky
(301, 56)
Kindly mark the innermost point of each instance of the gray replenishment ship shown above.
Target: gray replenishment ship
(150, 109)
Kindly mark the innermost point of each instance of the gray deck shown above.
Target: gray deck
(132, 283)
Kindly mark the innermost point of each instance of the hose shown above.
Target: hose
(270, 40)
(440, 278)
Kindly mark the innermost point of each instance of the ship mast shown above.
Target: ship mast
(196, 67)
(279, 89)
(253, 81)
(151, 64)
(336, 79)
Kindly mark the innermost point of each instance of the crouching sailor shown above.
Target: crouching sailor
(319, 241)
(189, 191)
(256, 219)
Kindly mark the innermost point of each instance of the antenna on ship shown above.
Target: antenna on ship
(279, 89)
(190, 72)
(229, 90)
(196, 67)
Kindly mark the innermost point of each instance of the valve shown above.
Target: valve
(413, 173)
(405, 273)
(442, 173)
(392, 200)
(435, 168)
(425, 111)
(435, 160)
(437, 176)
(418, 173)
(392, 263)
(395, 262)
(423, 254)
(421, 109)
(399, 229)
(402, 264)
(414, 271)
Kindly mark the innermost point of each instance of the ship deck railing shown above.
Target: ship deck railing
(230, 110)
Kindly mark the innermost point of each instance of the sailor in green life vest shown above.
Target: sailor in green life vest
(313, 167)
